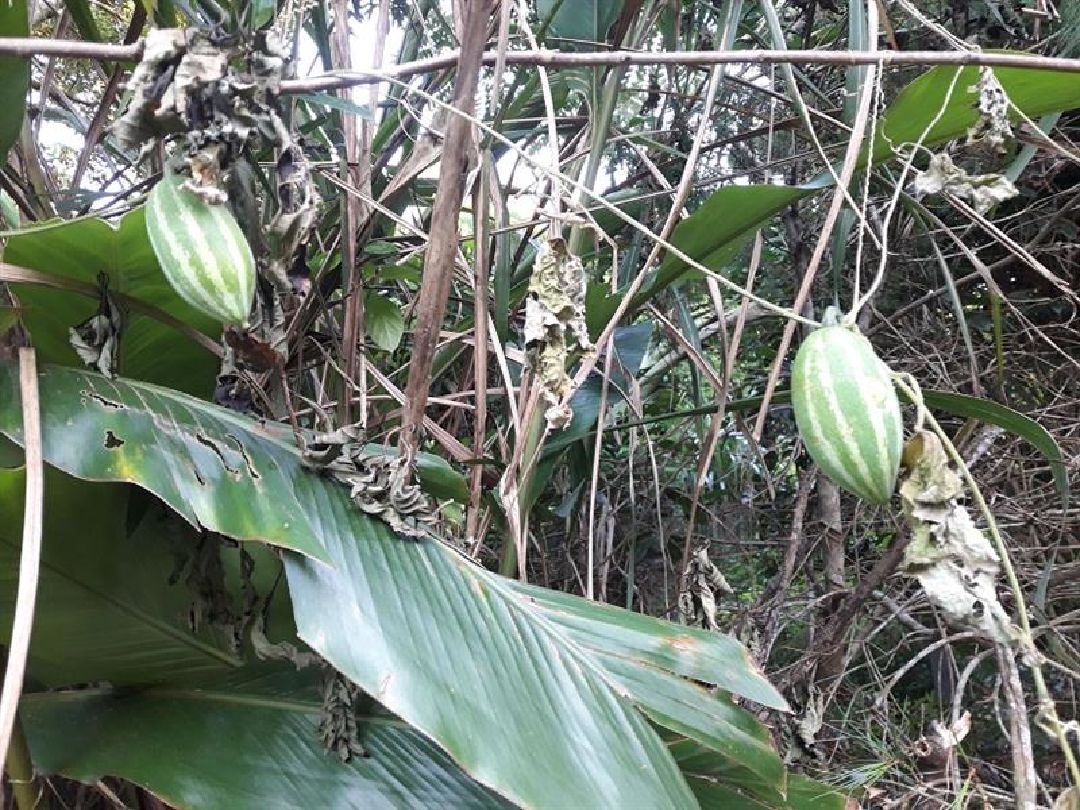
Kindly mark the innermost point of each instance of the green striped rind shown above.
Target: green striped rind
(847, 412)
(202, 251)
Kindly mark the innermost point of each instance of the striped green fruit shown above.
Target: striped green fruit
(847, 412)
(202, 251)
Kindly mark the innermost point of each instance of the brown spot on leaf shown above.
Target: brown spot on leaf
(112, 441)
(684, 644)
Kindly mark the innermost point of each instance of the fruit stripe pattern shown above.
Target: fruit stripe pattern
(847, 412)
(202, 251)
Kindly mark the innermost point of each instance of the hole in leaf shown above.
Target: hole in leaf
(247, 459)
(103, 402)
(212, 445)
(112, 441)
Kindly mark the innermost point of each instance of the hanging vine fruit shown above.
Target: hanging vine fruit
(201, 250)
(847, 411)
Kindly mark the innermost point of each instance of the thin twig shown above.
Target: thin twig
(847, 171)
(73, 48)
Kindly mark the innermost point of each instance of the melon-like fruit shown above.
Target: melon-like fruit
(847, 412)
(202, 251)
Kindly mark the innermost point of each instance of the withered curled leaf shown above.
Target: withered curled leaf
(952, 559)
(379, 485)
(993, 129)
(555, 323)
(97, 339)
(703, 579)
(983, 191)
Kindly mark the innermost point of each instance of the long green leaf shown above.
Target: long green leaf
(342, 104)
(14, 76)
(1033, 92)
(715, 233)
(804, 794)
(83, 17)
(238, 748)
(715, 722)
(985, 410)
(708, 774)
(689, 651)
(1025, 427)
(454, 650)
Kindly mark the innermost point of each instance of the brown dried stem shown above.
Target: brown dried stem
(32, 46)
(443, 245)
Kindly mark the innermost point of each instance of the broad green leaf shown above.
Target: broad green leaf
(14, 76)
(9, 316)
(457, 652)
(600, 305)
(713, 721)
(689, 651)
(586, 20)
(11, 455)
(217, 469)
(451, 648)
(81, 250)
(241, 749)
(105, 610)
(803, 794)
(383, 321)
(709, 777)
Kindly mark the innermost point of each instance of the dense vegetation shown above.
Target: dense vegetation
(396, 403)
